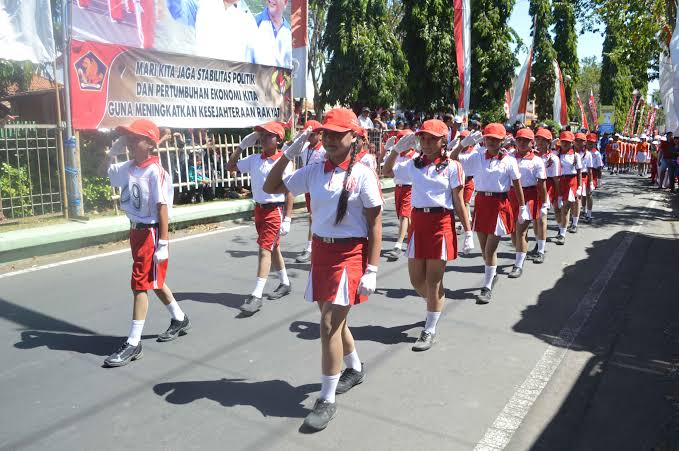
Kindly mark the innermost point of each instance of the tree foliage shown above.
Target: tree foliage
(317, 12)
(366, 65)
(429, 45)
(616, 81)
(566, 47)
(588, 81)
(543, 57)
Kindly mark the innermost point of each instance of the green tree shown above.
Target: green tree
(366, 65)
(566, 47)
(615, 81)
(317, 12)
(588, 81)
(429, 45)
(543, 57)
(493, 62)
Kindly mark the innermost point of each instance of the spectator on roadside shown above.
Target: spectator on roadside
(665, 156)
(391, 121)
(400, 125)
(377, 122)
(364, 119)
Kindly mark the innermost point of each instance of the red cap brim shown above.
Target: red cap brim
(435, 135)
(125, 130)
(333, 128)
(492, 135)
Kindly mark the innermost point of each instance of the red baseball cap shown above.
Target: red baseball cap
(464, 133)
(433, 127)
(525, 133)
(581, 136)
(315, 125)
(592, 137)
(273, 127)
(495, 130)
(566, 136)
(341, 120)
(141, 127)
(544, 133)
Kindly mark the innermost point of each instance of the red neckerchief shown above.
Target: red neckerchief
(273, 157)
(438, 160)
(318, 146)
(528, 156)
(407, 153)
(570, 152)
(499, 155)
(149, 161)
(329, 165)
(361, 154)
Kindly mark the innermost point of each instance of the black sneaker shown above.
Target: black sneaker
(485, 296)
(282, 290)
(176, 329)
(588, 219)
(573, 228)
(304, 257)
(540, 258)
(349, 379)
(124, 355)
(533, 253)
(515, 273)
(320, 416)
(425, 341)
(394, 254)
(251, 305)
(560, 240)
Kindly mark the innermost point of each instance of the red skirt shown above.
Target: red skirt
(468, 190)
(432, 236)
(402, 200)
(551, 191)
(336, 270)
(268, 224)
(146, 274)
(569, 188)
(530, 196)
(492, 215)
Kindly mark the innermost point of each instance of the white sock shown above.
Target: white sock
(259, 287)
(328, 387)
(352, 361)
(135, 332)
(575, 220)
(308, 246)
(398, 246)
(490, 275)
(541, 246)
(283, 277)
(520, 258)
(562, 231)
(432, 319)
(589, 213)
(175, 310)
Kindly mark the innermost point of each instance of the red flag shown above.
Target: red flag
(463, 50)
(583, 117)
(652, 123)
(592, 107)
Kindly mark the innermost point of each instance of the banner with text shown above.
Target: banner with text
(111, 85)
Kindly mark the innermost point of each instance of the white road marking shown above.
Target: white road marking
(498, 436)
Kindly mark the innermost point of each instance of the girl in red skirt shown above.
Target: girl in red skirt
(494, 173)
(571, 182)
(543, 142)
(437, 188)
(347, 234)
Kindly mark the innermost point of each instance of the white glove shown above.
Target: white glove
(390, 144)
(405, 143)
(591, 186)
(559, 202)
(368, 282)
(507, 141)
(523, 214)
(118, 147)
(285, 226)
(249, 141)
(453, 144)
(544, 210)
(578, 192)
(294, 149)
(468, 242)
(472, 139)
(162, 251)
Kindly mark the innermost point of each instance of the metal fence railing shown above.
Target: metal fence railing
(30, 182)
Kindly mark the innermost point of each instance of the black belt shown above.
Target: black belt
(431, 209)
(468, 178)
(492, 194)
(401, 186)
(270, 206)
(337, 240)
(141, 225)
(569, 175)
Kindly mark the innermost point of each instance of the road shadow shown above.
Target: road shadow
(231, 300)
(101, 345)
(306, 330)
(31, 319)
(274, 398)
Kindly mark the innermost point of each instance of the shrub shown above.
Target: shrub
(14, 184)
(96, 193)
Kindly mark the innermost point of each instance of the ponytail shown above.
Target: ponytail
(344, 195)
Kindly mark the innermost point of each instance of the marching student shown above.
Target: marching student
(587, 165)
(364, 156)
(595, 174)
(614, 154)
(313, 152)
(402, 192)
(146, 197)
(347, 234)
(642, 158)
(463, 157)
(437, 184)
(272, 211)
(543, 141)
(533, 182)
(495, 171)
(571, 184)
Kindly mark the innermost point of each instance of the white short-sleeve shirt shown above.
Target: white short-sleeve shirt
(493, 174)
(274, 47)
(532, 169)
(367, 159)
(571, 163)
(552, 164)
(464, 156)
(311, 155)
(597, 161)
(587, 162)
(259, 169)
(143, 187)
(325, 184)
(432, 187)
(401, 158)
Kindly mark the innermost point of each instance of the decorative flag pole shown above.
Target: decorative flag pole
(463, 53)
(560, 106)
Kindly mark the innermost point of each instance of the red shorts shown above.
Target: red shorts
(551, 190)
(468, 190)
(530, 196)
(585, 184)
(402, 196)
(307, 201)
(432, 236)
(146, 274)
(336, 270)
(569, 188)
(492, 215)
(268, 225)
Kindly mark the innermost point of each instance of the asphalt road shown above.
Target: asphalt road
(575, 355)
